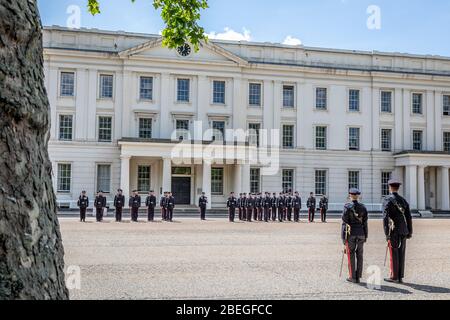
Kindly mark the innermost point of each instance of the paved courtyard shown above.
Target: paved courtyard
(189, 259)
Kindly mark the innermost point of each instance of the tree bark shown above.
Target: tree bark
(31, 251)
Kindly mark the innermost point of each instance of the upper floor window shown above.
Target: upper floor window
(386, 101)
(104, 129)
(321, 182)
(287, 180)
(146, 88)
(106, 86)
(182, 128)
(288, 136)
(64, 177)
(254, 131)
(288, 96)
(386, 139)
(417, 103)
(321, 98)
(67, 84)
(353, 139)
(145, 128)
(218, 130)
(321, 138)
(385, 177)
(254, 95)
(353, 179)
(104, 178)
(417, 140)
(183, 86)
(219, 92)
(446, 105)
(65, 127)
(447, 141)
(353, 100)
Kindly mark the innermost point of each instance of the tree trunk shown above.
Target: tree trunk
(31, 252)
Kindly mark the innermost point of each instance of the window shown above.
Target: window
(67, 84)
(183, 90)
(321, 138)
(143, 183)
(321, 182)
(386, 101)
(146, 88)
(288, 136)
(321, 98)
(288, 97)
(446, 105)
(417, 140)
(385, 177)
(104, 129)
(417, 103)
(64, 177)
(353, 179)
(446, 141)
(65, 127)
(217, 181)
(288, 180)
(218, 130)
(254, 96)
(386, 140)
(253, 134)
(353, 100)
(219, 92)
(182, 129)
(353, 139)
(145, 128)
(106, 86)
(104, 177)
(255, 180)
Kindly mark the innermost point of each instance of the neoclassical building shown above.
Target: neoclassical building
(120, 104)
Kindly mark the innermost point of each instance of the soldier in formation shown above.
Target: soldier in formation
(83, 204)
(119, 203)
(100, 205)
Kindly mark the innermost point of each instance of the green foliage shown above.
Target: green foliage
(181, 18)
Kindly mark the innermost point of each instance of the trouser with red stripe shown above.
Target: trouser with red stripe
(240, 213)
(323, 214)
(311, 214)
(163, 214)
(397, 250)
(355, 255)
(280, 214)
(274, 213)
(249, 214)
(296, 214)
(289, 213)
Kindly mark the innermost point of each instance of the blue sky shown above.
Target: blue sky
(414, 26)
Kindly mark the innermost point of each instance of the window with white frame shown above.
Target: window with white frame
(183, 88)
(353, 179)
(386, 140)
(104, 177)
(288, 96)
(254, 94)
(288, 180)
(67, 88)
(146, 88)
(321, 138)
(385, 177)
(353, 139)
(144, 176)
(217, 181)
(446, 143)
(446, 105)
(255, 180)
(106, 86)
(353, 100)
(65, 127)
(417, 103)
(218, 130)
(182, 129)
(254, 133)
(104, 129)
(386, 101)
(320, 182)
(219, 92)
(417, 140)
(321, 98)
(288, 136)
(145, 128)
(64, 177)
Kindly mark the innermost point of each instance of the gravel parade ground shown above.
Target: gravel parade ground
(189, 259)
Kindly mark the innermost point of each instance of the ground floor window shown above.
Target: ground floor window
(353, 179)
(64, 177)
(255, 180)
(143, 183)
(104, 178)
(288, 180)
(385, 177)
(217, 181)
(321, 182)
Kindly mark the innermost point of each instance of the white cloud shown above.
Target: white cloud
(230, 34)
(291, 41)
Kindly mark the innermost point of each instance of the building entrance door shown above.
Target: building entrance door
(181, 189)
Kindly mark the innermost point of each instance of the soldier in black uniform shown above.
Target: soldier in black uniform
(244, 206)
(202, 204)
(281, 205)
(162, 205)
(289, 205)
(135, 203)
(119, 203)
(250, 204)
(354, 235)
(150, 203)
(170, 205)
(297, 204)
(231, 205)
(266, 206)
(323, 205)
(311, 204)
(397, 222)
(273, 206)
(259, 207)
(100, 205)
(83, 204)
(239, 207)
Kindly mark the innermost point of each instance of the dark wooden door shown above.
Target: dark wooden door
(181, 189)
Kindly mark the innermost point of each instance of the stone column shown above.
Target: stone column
(238, 179)
(445, 189)
(246, 178)
(167, 175)
(411, 185)
(421, 188)
(206, 185)
(125, 176)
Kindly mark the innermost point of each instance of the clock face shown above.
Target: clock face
(184, 50)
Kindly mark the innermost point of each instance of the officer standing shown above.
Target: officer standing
(202, 204)
(289, 205)
(323, 205)
(83, 204)
(170, 205)
(273, 205)
(150, 202)
(250, 204)
(281, 205)
(231, 205)
(397, 222)
(239, 206)
(135, 203)
(267, 204)
(297, 204)
(162, 205)
(119, 202)
(311, 204)
(354, 234)
(100, 205)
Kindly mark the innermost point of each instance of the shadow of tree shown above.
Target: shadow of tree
(387, 289)
(427, 288)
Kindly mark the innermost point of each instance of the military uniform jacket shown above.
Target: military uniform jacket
(170, 202)
(323, 204)
(135, 202)
(202, 202)
(250, 202)
(397, 208)
(281, 202)
(119, 201)
(162, 202)
(311, 203)
(273, 202)
(267, 202)
(355, 215)
(150, 201)
(100, 202)
(83, 202)
(289, 202)
(231, 202)
(297, 202)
